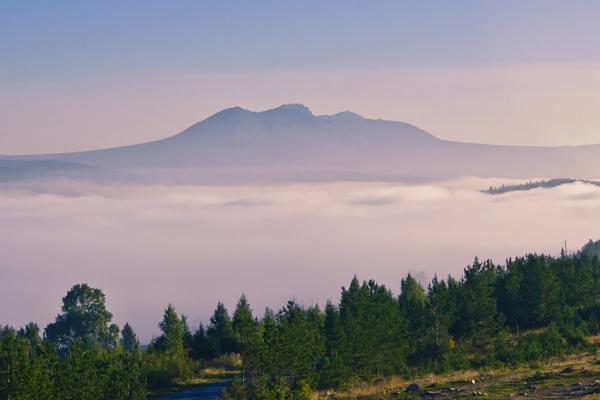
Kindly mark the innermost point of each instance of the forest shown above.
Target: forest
(530, 308)
(542, 184)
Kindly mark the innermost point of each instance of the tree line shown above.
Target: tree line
(544, 184)
(528, 309)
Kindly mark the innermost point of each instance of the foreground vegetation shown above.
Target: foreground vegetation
(528, 310)
(569, 376)
(83, 356)
(495, 317)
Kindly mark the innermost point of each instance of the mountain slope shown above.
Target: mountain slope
(291, 141)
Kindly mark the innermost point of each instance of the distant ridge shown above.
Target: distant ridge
(543, 184)
(289, 142)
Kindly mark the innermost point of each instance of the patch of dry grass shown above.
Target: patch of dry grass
(500, 380)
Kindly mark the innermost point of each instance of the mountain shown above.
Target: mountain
(290, 142)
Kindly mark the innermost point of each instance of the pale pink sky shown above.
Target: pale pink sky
(82, 75)
(529, 104)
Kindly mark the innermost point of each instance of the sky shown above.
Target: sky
(78, 75)
(81, 75)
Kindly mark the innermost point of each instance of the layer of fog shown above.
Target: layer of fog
(146, 246)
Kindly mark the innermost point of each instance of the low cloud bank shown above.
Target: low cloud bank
(146, 246)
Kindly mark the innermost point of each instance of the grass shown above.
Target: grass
(572, 376)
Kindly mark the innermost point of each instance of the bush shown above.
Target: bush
(229, 362)
(162, 370)
(552, 342)
(264, 389)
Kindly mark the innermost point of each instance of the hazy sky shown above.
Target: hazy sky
(78, 75)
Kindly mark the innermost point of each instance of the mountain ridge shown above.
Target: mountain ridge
(291, 139)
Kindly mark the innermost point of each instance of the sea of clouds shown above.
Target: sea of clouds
(149, 245)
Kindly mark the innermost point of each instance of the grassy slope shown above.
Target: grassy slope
(573, 376)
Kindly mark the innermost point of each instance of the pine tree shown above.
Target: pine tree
(334, 372)
(412, 303)
(200, 347)
(171, 340)
(375, 330)
(129, 339)
(125, 375)
(438, 318)
(477, 316)
(248, 338)
(220, 332)
(78, 376)
(297, 349)
(187, 333)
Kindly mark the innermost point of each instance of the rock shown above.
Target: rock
(452, 389)
(413, 387)
(472, 381)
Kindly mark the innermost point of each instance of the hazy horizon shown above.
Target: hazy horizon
(150, 245)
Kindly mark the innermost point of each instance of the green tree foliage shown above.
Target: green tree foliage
(167, 359)
(412, 304)
(335, 372)
(188, 336)
(297, 347)
(476, 316)
(126, 377)
(590, 250)
(375, 330)
(24, 366)
(84, 317)
(438, 318)
(92, 366)
(529, 309)
(171, 340)
(530, 294)
(129, 339)
(79, 377)
(220, 334)
(199, 346)
(248, 337)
